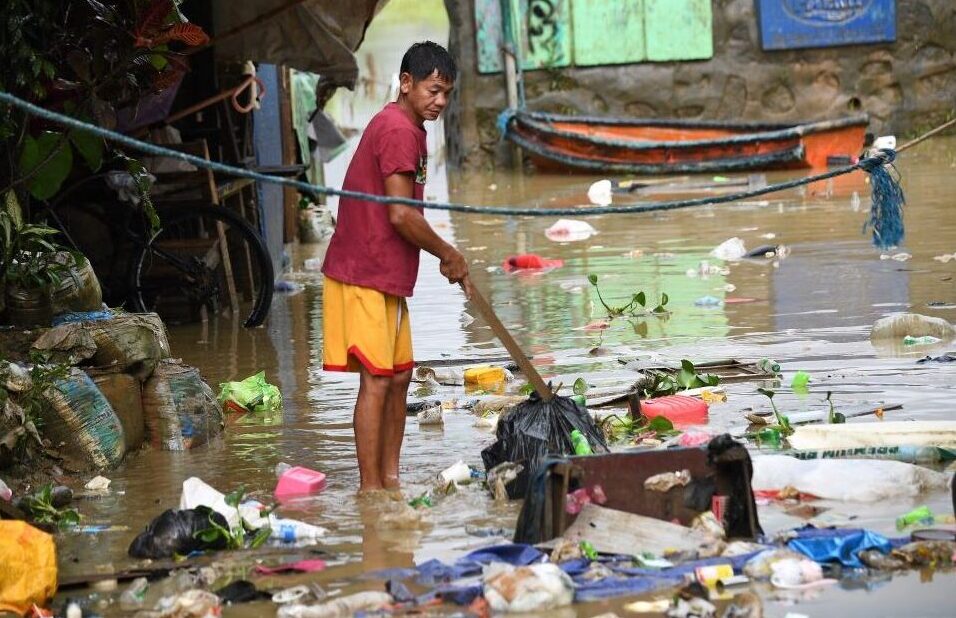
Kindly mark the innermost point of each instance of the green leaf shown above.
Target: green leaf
(262, 535)
(839, 417)
(687, 376)
(90, 148)
(526, 389)
(664, 299)
(47, 177)
(158, 61)
(660, 424)
(233, 498)
(766, 392)
(593, 279)
(640, 298)
(580, 387)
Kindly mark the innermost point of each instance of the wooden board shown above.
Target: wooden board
(617, 532)
(596, 23)
(678, 29)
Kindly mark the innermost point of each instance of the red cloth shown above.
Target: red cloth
(365, 249)
(529, 261)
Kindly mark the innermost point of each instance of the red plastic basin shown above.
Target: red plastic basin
(678, 409)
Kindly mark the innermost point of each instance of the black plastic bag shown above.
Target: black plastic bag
(177, 532)
(534, 430)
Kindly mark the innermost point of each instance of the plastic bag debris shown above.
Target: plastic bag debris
(537, 587)
(177, 533)
(68, 343)
(29, 573)
(600, 193)
(922, 340)
(569, 230)
(899, 325)
(761, 566)
(692, 608)
(98, 483)
(800, 574)
(446, 376)
(5, 492)
(856, 480)
(135, 594)
(339, 608)
(648, 607)
(529, 262)
(241, 591)
(294, 594)
(459, 472)
(500, 476)
(431, 416)
(730, 249)
(837, 545)
(666, 481)
(300, 566)
(197, 492)
(576, 499)
(252, 394)
(534, 430)
(189, 604)
(180, 411)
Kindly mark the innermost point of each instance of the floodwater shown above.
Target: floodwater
(810, 310)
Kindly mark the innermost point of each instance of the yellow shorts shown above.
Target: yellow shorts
(364, 326)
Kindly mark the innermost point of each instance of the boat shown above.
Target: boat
(560, 143)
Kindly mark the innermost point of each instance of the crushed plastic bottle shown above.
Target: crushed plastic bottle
(291, 530)
(580, 443)
(800, 381)
(919, 515)
(768, 365)
(924, 340)
(134, 596)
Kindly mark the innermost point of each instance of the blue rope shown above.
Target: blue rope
(885, 218)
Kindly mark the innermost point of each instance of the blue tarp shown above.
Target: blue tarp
(839, 544)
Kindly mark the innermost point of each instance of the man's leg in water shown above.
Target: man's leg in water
(369, 423)
(394, 428)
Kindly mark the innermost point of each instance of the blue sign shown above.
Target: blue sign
(793, 24)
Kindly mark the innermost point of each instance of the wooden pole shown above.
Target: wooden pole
(510, 57)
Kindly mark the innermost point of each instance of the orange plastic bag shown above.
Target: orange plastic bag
(28, 575)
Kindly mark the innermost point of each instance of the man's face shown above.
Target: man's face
(427, 97)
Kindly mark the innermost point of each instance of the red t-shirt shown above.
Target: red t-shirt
(366, 249)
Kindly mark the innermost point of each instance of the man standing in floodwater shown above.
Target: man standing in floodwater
(372, 262)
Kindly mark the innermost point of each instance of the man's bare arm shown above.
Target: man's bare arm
(412, 226)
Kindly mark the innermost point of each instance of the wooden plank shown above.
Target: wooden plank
(795, 25)
(596, 23)
(678, 29)
(617, 532)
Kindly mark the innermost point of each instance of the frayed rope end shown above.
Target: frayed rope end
(886, 210)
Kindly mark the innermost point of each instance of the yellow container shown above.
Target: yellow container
(710, 575)
(484, 376)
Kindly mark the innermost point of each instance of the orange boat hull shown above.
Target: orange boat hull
(588, 145)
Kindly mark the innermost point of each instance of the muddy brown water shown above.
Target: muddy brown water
(810, 310)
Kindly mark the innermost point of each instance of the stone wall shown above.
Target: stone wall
(906, 86)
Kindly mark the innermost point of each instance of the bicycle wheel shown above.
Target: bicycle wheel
(204, 258)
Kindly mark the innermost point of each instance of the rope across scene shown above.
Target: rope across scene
(873, 165)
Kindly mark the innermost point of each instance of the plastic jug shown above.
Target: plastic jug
(484, 376)
(299, 481)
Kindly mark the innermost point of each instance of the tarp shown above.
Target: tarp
(310, 35)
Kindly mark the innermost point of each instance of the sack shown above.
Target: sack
(534, 430)
(179, 409)
(26, 307)
(133, 342)
(80, 417)
(79, 289)
(67, 343)
(253, 393)
(28, 575)
(177, 532)
(125, 394)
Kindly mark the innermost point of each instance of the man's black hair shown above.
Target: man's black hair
(423, 59)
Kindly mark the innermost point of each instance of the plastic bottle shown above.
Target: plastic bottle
(768, 365)
(579, 399)
(924, 340)
(769, 436)
(800, 380)
(134, 596)
(580, 443)
(291, 530)
(281, 468)
(920, 514)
